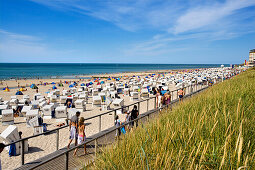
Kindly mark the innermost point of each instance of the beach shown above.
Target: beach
(43, 145)
(46, 144)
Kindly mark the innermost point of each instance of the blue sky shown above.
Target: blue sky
(127, 31)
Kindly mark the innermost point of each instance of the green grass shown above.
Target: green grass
(213, 130)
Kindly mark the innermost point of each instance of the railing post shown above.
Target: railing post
(177, 93)
(95, 147)
(148, 117)
(22, 152)
(66, 160)
(172, 96)
(115, 113)
(155, 103)
(148, 105)
(139, 108)
(57, 139)
(99, 123)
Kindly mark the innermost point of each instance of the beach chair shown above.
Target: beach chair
(80, 105)
(53, 98)
(14, 102)
(24, 110)
(3, 107)
(134, 96)
(48, 111)
(117, 103)
(135, 88)
(30, 115)
(97, 101)
(61, 112)
(7, 117)
(57, 92)
(11, 134)
(113, 94)
(35, 104)
(13, 97)
(42, 104)
(65, 92)
(75, 96)
(145, 93)
(42, 100)
(63, 99)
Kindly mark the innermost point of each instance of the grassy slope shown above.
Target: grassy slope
(215, 129)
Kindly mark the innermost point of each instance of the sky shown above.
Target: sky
(127, 31)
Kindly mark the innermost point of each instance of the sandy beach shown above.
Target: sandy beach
(43, 145)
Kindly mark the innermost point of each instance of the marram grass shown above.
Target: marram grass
(213, 130)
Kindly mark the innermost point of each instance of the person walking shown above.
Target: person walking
(81, 135)
(73, 128)
(181, 94)
(134, 115)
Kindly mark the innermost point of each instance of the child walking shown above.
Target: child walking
(81, 135)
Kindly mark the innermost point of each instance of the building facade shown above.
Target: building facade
(251, 62)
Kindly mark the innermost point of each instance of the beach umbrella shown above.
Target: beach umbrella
(54, 87)
(82, 84)
(71, 86)
(109, 78)
(102, 82)
(90, 83)
(21, 89)
(19, 93)
(53, 83)
(6, 89)
(32, 85)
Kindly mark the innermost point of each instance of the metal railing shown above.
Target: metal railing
(173, 98)
(95, 140)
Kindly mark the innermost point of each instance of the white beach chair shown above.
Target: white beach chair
(97, 101)
(25, 109)
(30, 115)
(80, 105)
(63, 99)
(47, 111)
(61, 112)
(9, 135)
(7, 117)
(35, 104)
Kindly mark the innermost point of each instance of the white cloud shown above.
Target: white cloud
(177, 20)
(202, 16)
(26, 48)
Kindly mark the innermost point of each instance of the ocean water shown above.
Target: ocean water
(72, 70)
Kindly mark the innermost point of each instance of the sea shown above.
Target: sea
(83, 70)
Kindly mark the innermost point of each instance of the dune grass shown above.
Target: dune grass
(213, 130)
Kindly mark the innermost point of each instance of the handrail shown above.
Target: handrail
(114, 129)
